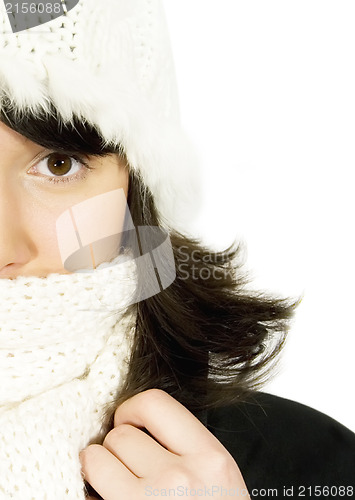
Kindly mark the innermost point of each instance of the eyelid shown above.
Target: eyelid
(47, 152)
(80, 158)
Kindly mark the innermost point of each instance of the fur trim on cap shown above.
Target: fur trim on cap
(110, 62)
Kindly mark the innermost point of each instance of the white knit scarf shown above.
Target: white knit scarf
(64, 347)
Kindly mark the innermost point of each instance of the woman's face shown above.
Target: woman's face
(36, 186)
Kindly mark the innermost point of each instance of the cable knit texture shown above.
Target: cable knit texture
(110, 62)
(64, 349)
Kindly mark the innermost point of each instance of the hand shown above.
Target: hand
(180, 453)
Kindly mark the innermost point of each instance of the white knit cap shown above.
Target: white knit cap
(110, 62)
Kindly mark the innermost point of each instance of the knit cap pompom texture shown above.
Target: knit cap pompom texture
(110, 62)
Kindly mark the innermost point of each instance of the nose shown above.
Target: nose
(16, 247)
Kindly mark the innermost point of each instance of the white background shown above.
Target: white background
(267, 96)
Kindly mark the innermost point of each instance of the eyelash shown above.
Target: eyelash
(68, 178)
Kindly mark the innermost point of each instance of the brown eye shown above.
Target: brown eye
(59, 164)
(61, 167)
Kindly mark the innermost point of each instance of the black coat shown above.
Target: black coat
(286, 449)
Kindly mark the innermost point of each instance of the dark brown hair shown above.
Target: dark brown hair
(205, 339)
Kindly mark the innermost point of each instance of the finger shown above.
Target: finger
(107, 475)
(168, 421)
(140, 453)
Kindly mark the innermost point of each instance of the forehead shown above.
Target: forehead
(9, 138)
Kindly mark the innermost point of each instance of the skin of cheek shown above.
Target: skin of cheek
(43, 204)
